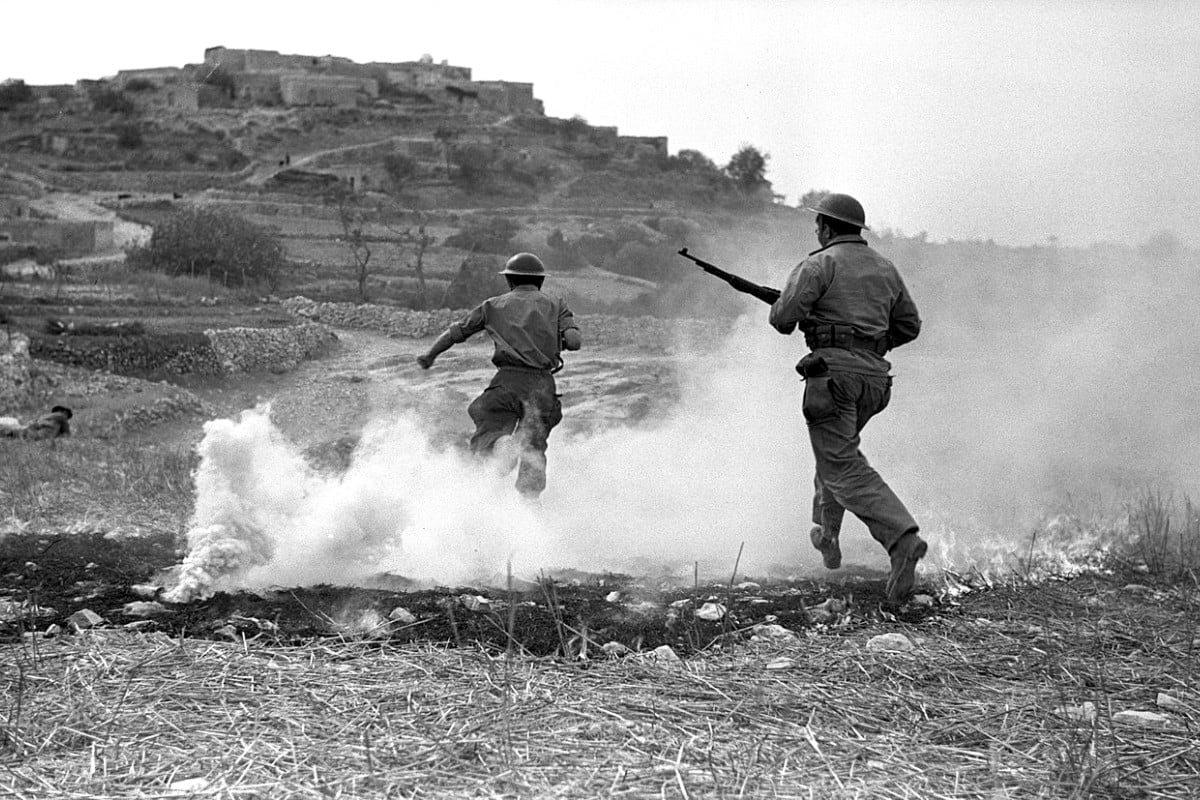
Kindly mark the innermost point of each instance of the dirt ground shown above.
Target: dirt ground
(322, 406)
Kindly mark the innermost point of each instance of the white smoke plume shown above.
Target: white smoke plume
(1002, 412)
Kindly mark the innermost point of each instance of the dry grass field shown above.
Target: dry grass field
(1031, 681)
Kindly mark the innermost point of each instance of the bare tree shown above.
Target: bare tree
(420, 240)
(446, 135)
(353, 219)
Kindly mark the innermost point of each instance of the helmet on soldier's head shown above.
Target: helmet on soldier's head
(524, 264)
(841, 207)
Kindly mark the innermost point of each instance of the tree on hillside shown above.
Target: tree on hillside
(446, 136)
(214, 243)
(420, 241)
(14, 92)
(477, 279)
(485, 235)
(353, 219)
(692, 161)
(400, 169)
(476, 164)
(574, 128)
(748, 169)
(112, 101)
(417, 237)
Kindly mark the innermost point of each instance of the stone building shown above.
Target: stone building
(424, 74)
(631, 146)
(69, 237)
(303, 89)
(78, 143)
(159, 76)
(508, 97)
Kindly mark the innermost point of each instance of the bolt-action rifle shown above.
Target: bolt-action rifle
(765, 293)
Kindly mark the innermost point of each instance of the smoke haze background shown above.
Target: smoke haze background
(1046, 380)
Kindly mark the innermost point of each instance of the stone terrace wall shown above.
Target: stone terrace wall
(256, 349)
(598, 329)
(214, 352)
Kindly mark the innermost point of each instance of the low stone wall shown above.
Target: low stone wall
(214, 352)
(274, 349)
(601, 330)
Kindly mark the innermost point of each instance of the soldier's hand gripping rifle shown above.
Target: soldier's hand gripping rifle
(764, 293)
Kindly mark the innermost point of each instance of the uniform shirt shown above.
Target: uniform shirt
(525, 324)
(846, 283)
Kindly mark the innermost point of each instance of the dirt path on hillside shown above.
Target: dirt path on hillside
(85, 208)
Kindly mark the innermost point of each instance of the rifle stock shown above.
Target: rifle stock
(766, 294)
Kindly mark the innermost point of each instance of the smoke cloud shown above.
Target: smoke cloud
(1045, 380)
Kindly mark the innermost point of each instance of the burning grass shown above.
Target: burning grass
(991, 702)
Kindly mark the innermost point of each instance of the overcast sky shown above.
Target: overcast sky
(1014, 120)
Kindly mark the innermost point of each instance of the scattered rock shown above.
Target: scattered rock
(1085, 712)
(475, 602)
(190, 786)
(1141, 719)
(1171, 703)
(143, 608)
(663, 653)
(644, 607)
(891, 643)
(402, 616)
(773, 631)
(711, 612)
(84, 619)
(149, 591)
(139, 625)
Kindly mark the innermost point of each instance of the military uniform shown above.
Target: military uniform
(852, 306)
(529, 330)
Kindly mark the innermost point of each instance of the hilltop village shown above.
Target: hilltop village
(247, 119)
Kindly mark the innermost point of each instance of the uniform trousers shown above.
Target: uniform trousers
(836, 408)
(522, 403)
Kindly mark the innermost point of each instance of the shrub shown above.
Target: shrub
(475, 166)
(485, 235)
(14, 93)
(112, 101)
(129, 136)
(213, 243)
(477, 280)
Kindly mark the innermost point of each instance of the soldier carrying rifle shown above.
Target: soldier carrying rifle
(852, 307)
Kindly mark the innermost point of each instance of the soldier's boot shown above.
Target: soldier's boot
(827, 545)
(905, 554)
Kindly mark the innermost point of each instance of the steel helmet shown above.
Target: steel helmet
(524, 264)
(841, 207)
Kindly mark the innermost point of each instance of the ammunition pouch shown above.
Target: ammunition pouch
(843, 336)
(812, 366)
